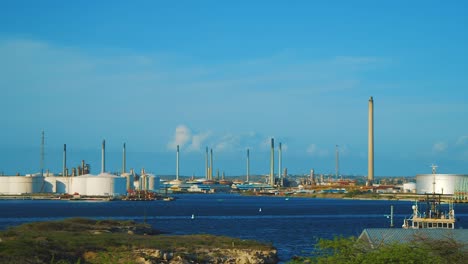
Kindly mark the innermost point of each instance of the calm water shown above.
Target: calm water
(292, 225)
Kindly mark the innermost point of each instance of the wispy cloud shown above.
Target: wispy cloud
(315, 150)
(461, 141)
(439, 147)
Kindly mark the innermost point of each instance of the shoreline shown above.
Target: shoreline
(344, 196)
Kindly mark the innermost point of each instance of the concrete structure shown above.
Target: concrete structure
(441, 183)
(370, 165)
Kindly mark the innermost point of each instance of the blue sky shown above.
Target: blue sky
(229, 75)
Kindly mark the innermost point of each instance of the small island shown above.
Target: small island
(80, 240)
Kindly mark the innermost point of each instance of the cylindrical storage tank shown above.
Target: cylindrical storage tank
(64, 184)
(409, 187)
(78, 184)
(20, 184)
(38, 184)
(151, 180)
(106, 184)
(144, 182)
(5, 184)
(50, 185)
(438, 183)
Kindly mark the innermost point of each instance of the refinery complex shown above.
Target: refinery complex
(79, 182)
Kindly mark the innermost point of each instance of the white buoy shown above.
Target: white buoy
(260, 210)
(193, 216)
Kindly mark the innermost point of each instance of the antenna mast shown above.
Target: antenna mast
(434, 172)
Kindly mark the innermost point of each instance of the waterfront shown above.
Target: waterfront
(291, 224)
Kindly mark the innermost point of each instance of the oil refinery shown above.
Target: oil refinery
(80, 181)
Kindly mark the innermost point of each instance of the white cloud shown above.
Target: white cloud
(197, 141)
(439, 147)
(182, 136)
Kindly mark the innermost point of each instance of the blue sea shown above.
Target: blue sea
(292, 225)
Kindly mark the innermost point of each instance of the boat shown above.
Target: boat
(193, 217)
(168, 199)
(433, 217)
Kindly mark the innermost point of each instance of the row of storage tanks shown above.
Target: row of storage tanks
(104, 184)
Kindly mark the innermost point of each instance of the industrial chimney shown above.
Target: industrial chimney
(103, 158)
(206, 164)
(248, 165)
(280, 157)
(64, 170)
(370, 172)
(272, 163)
(177, 163)
(211, 164)
(124, 159)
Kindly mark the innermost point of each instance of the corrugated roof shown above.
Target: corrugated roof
(378, 236)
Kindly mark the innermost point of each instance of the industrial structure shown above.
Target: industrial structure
(443, 184)
(80, 182)
(370, 165)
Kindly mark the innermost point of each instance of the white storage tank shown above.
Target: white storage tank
(440, 183)
(50, 185)
(5, 184)
(154, 183)
(20, 185)
(409, 187)
(106, 184)
(150, 182)
(63, 184)
(78, 184)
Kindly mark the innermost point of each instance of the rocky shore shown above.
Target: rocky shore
(81, 240)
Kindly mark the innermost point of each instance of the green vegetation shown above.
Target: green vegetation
(81, 240)
(351, 251)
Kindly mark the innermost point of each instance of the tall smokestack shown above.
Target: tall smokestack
(337, 162)
(124, 159)
(280, 157)
(177, 163)
(272, 163)
(64, 170)
(103, 157)
(248, 165)
(206, 163)
(370, 172)
(211, 164)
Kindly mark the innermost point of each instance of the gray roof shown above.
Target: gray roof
(378, 236)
